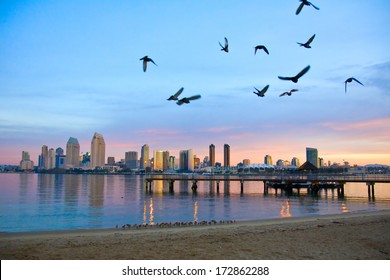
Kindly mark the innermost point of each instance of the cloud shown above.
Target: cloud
(379, 76)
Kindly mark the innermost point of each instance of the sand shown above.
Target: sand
(348, 236)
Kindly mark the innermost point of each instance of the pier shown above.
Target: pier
(311, 182)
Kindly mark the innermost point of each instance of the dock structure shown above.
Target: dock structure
(311, 182)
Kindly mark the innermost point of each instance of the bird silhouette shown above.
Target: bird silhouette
(295, 78)
(187, 99)
(305, 3)
(261, 47)
(146, 59)
(288, 93)
(261, 93)
(226, 47)
(176, 95)
(349, 80)
(307, 44)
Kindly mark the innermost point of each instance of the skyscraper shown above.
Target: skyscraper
(187, 160)
(144, 161)
(51, 159)
(268, 160)
(98, 150)
(72, 153)
(312, 156)
(43, 158)
(295, 162)
(226, 155)
(212, 155)
(131, 159)
(26, 163)
(158, 163)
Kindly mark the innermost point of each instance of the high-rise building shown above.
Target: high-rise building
(172, 162)
(187, 160)
(196, 161)
(312, 156)
(212, 155)
(60, 158)
(72, 153)
(51, 159)
(98, 150)
(246, 162)
(165, 160)
(110, 160)
(144, 161)
(131, 159)
(158, 160)
(268, 160)
(26, 163)
(295, 162)
(43, 158)
(226, 155)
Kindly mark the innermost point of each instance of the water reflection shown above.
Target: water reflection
(285, 209)
(148, 214)
(96, 190)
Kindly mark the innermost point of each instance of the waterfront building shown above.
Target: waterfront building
(51, 159)
(98, 150)
(295, 162)
(268, 160)
(86, 160)
(196, 161)
(43, 158)
(158, 160)
(26, 164)
(246, 162)
(212, 155)
(72, 153)
(171, 164)
(110, 160)
(131, 159)
(60, 158)
(312, 156)
(144, 161)
(226, 155)
(321, 162)
(186, 160)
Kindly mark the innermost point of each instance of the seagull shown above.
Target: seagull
(187, 99)
(307, 3)
(295, 78)
(261, 93)
(288, 92)
(307, 44)
(146, 59)
(349, 80)
(261, 47)
(176, 95)
(226, 47)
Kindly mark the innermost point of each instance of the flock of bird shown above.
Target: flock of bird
(176, 224)
(260, 93)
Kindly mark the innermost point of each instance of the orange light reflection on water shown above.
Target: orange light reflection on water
(285, 209)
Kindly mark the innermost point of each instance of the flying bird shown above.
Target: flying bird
(307, 44)
(295, 78)
(261, 93)
(261, 47)
(187, 99)
(305, 3)
(226, 47)
(176, 95)
(146, 59)
(288, 92)
(349, 80)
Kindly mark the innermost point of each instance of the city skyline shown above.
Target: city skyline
(70, 69)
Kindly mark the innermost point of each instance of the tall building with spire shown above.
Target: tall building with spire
(98, 150)
(226, 155)
(212, 154)
(72, 153)
(144, 160)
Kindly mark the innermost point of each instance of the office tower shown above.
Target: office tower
(131, 159)
(26, 163)
(321, 162)
(158, 160)
(165, 160)
(72, 153)
(51, 159)
(43, 158)
(187, 160)
(312, 156)
(246, 162)
(60, 158)
(268, 160)
(226, 155)
(144, 161)
(98, 150)
(212, 155)
(295, 162)
(172, 162)
(86, 159)
(110, 160)
(196, 161)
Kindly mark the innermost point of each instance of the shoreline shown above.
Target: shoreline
(356, 235)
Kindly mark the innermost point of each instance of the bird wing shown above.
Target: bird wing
(194, 97)
(264, 90)
(303, 72)
(300, 8)
(178, 93)
(283, 94)
(315, 7)
(180, 102)
(310, 40)
(345, 89)
(151, 60)
(256, 48)
(293, 90)
(285, 78)
(226, 42)
(220, 44)
(145, 64)
(357, 81)
(265, 49)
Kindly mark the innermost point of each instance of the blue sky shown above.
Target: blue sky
(72, 68)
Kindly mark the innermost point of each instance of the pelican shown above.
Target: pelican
(349, 80)
(176, 95)
(146, 59)
(288, 92)
(187, 99)
(261, 93)
(295, 78)
(226, 47)
(305, 3)
(307, 44)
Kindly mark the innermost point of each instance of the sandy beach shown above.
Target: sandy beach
(348, 236)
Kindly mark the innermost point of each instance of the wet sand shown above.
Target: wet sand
(348, 236)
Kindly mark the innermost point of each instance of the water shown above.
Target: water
(34, 202)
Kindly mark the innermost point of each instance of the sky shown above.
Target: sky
(72, 68)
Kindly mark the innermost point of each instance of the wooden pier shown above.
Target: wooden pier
(310, 182)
